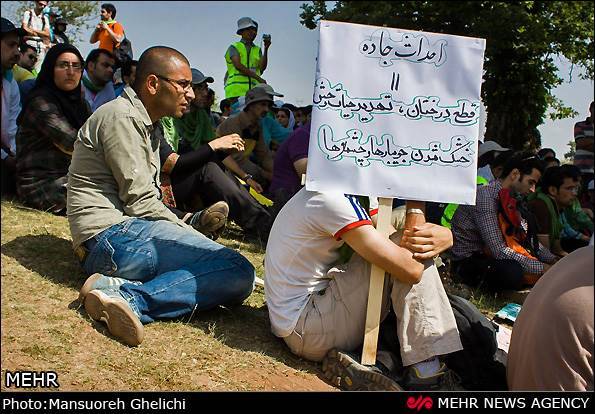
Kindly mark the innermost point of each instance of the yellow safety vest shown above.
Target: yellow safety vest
(237, 84)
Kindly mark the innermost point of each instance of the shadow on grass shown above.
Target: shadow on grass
(49, 256)
(243, 327)
(247, 328)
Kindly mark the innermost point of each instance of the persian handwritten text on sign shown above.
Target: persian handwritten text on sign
(396, 113)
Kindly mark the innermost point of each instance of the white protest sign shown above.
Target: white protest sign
(395, 113)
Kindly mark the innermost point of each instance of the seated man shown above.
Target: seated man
(558, 191)
(97, 78)
(290, 164)
(551, 348)
(128, 72)
(496, 165)
(24, 72)
(482, 252)
(11, 104)
(145, 263)
(190, 157)
(247, 125)
(316, 307)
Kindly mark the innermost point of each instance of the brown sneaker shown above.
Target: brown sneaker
(109, 306)
(344, 371)
(211, 220)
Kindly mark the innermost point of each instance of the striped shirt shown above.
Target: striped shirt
(583, 133)
(476, 229)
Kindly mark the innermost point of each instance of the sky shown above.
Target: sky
(202, 31)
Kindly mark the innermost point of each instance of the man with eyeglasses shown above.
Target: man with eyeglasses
(24, 72)
(494, 245)
(97, 78)
(551, 204)
(145, 263)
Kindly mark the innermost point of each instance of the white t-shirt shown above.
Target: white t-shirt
(303, 245)
(37, 22)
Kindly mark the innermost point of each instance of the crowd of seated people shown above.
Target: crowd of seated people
(203, 167)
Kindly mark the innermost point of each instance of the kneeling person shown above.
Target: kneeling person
(145, 263)
(316, 306)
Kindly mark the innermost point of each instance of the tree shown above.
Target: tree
(522, 40)
(569, 156)
(78, 15)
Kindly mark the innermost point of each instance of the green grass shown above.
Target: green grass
(43, 327)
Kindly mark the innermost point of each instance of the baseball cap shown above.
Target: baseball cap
(6, 26)
(487, 146)
(198, 77)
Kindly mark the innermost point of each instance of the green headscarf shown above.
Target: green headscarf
(195, 127)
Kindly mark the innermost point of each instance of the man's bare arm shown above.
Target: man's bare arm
(376, 249)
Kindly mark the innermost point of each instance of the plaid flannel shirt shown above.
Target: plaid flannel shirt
(45, 140)
(476, 229)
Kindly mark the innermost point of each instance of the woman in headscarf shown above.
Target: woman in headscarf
(48, 124)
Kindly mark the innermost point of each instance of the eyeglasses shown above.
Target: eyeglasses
(32, 57)
(186, 85)
(76, 66)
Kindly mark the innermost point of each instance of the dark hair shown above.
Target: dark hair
(555, 176)
(289, 106)
(127, 67)
(541, 153)
(93, 55)
(24, 46)
(501, 158)
(525, 162)
(225, 103)
(210, 93)
(547, 160)
(306, 110)
(110, 8)
(286, 110)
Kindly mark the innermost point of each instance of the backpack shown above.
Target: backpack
(476, 364)
(123, 51)
(43, 17)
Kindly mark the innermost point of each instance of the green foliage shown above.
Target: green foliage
(81, 16)
(569, 156)
(522, 39)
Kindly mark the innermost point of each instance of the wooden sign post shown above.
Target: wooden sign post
(415, 215)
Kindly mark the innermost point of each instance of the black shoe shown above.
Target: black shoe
(344, 371)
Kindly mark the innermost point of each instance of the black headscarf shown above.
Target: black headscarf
(71, 104)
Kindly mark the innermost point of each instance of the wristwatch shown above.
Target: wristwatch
(247, 177)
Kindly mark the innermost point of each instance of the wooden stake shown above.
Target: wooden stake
(385, 209)
(414, 218)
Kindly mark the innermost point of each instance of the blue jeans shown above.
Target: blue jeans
(180, 270)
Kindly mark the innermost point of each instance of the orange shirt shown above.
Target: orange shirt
(105, 40)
